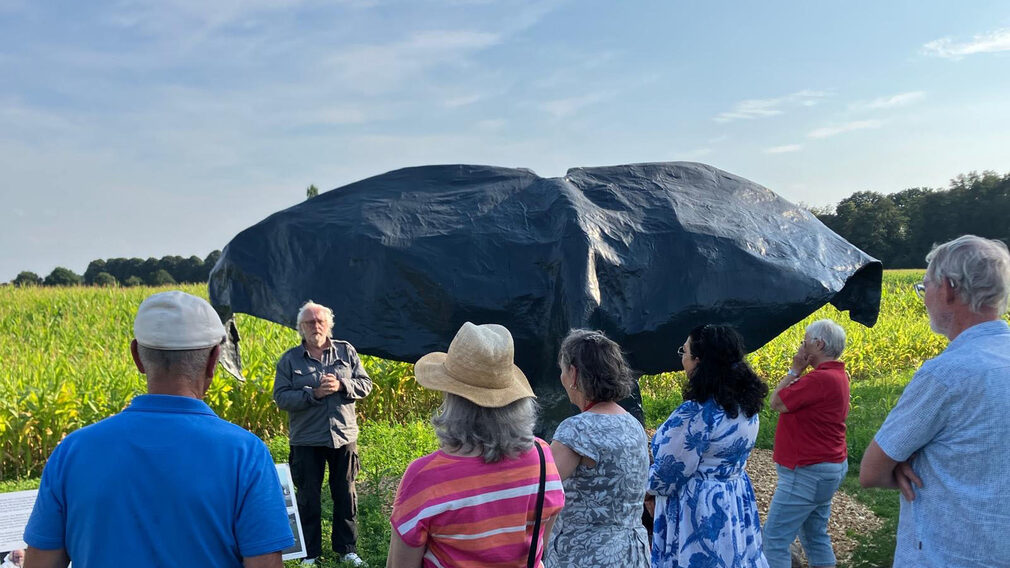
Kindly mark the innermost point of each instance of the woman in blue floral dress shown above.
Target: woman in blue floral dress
(706, 514)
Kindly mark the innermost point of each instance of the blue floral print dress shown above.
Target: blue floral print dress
(706, 513)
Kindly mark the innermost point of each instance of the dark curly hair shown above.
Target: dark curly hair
(604, 375)
(721, 372)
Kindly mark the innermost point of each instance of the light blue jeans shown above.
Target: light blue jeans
(802, 504)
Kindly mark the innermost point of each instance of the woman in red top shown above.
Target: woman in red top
(810, 452)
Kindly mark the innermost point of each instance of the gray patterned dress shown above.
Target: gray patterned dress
(601, 524)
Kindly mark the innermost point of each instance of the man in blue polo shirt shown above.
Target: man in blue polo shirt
(944, 443)
(165, 482)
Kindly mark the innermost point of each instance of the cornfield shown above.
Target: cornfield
(65, 363)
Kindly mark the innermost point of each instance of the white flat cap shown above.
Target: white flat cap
(177, 321)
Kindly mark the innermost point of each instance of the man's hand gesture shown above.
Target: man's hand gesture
(801, 360)
(328, 384)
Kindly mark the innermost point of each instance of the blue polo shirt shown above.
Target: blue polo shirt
(163, 483)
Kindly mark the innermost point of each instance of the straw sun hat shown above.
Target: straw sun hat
(478, 367)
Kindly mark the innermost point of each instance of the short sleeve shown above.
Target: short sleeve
(574, 432)
(678, 447)
(803, 392)
(921, 413)
(261, 526)
(46, 528)
(413, 529)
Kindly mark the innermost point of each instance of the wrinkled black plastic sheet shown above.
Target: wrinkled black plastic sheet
(644, 252)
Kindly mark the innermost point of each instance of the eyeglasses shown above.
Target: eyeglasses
(920, 289)
(680, 351)
(313, 322)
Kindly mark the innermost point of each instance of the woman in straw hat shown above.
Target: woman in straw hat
(603, 458)
(475, 500)
(706, 513)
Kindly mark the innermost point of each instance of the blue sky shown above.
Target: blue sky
(166, 127)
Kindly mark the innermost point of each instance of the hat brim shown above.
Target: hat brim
(430, 373)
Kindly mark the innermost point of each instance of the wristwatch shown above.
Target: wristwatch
(792, 373)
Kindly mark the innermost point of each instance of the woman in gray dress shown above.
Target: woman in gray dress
(602, 455)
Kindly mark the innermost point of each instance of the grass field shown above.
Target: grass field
(66, 364)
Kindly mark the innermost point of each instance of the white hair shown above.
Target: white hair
(189, 363)
(832, 334)
(305, 309)
(978, 268)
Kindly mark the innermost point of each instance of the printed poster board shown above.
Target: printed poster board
(15, 508)
(297, 550)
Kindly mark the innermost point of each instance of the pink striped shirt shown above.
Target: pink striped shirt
(468, 513)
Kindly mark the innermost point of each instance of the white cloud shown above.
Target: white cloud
(462, 100)
(992, 42)
(829, 131)
(783, 149)
(762, 108)
(384, 67)
(562, 108)
(693, 154)
(893, 101)
(339, 115)
(490, 124)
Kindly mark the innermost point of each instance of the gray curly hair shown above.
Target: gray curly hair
(465, 427)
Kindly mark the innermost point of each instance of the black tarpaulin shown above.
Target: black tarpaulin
(643, 252)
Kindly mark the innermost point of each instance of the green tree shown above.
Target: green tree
(191, 270)
(311, 191)
(208, 265)
(921, 224)
(873, 223)
(27, 278)
(983, 204)
(61, 276)
(95, 267)
(133, 281)
(173, 265)
(150, 265)
(159, 277)
(104, 279)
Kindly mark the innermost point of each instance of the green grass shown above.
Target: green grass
(876, 549)
(385, 449)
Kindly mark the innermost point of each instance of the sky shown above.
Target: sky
(151, 128)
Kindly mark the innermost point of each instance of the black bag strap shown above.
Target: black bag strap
(532, 558)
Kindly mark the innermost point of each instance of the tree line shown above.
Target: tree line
(900, 228)
(897, 228)
(134, 271)
(128, 272)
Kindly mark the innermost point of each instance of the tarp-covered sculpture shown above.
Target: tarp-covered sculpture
(643, 252)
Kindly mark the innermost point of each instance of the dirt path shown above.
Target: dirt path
(848, 516)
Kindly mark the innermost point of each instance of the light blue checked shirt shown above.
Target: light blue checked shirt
(953, 416)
